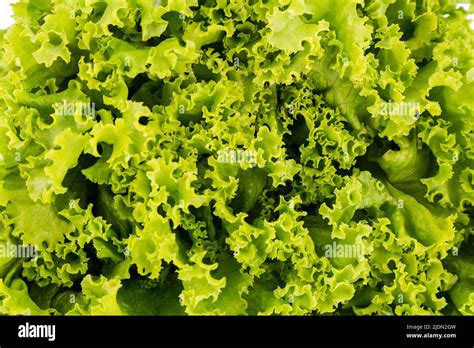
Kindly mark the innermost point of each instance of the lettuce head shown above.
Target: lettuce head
(211, 157)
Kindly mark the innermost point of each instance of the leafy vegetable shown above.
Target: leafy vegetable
(237, 157)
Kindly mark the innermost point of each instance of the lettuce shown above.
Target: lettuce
(287, 157)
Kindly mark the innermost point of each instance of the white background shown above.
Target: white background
(5, 13)
(6, 20)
